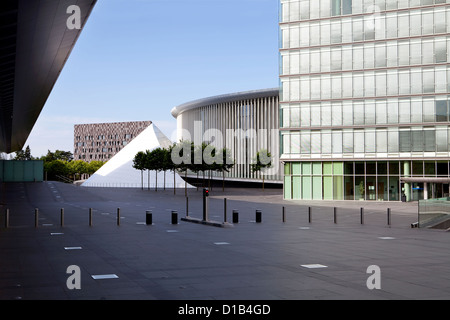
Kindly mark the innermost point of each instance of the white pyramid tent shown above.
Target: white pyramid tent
(118, 172)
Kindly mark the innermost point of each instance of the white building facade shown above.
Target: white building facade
(243, 122)
(364, 101)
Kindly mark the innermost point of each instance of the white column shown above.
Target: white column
(425, 191)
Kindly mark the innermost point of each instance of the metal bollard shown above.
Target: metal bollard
(7, 219)
(90, 217)
(309, 215)
(335, 215)
(36, 217)
(62, 217)
(389, 216)
(361, 212)
(235, 216)
(118, 216)
(258, 216)
(283, 214)
(174, 217)
(225, 210)
(148, 217)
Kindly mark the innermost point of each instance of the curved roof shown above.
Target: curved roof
(255, 94)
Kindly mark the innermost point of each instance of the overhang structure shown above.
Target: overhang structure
(35, 43)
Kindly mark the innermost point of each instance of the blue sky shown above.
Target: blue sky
(137, 59)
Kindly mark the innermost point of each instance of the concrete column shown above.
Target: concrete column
(407, 172)
(425, 191)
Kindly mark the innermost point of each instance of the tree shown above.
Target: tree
(94, 166)
(77, 168)
(24, 155)
(58, 155)
(262, 161)
(155, 162)
(139, 162)
(55, 169)
(182, 156)
(226, 164)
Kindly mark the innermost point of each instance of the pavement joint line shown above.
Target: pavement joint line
(73, 248)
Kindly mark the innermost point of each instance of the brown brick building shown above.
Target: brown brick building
(101, 141)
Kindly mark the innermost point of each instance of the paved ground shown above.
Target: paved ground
(195, 262)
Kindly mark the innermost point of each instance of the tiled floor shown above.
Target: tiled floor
(249, 261)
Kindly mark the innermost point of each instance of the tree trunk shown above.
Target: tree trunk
(156, 186)
(223, 181)
(164, 180)
(142, 179)
(174, 186)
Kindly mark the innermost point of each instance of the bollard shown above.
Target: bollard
(62, 217)
(148, 218)
(309, 215)
(362, 215)
(225, 210)
(389, 216)
(118, 216)
(90, 217)
(283, 214)
(36, 217)
(235, 216)
(7, 219)
(174, 217)
(258, 216)
(335, 215)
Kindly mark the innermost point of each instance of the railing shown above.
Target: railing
(433, 212)
(64, 179)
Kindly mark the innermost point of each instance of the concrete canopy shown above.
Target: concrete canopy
(35, 44)
(118, 172)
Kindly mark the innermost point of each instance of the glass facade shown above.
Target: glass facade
(364, 84)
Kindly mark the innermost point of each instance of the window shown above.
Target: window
(429, 139)
(405, 141)
(441, 111)
(381, 140)
(347, 143)
(339, 7)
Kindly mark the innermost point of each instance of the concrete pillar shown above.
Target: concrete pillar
(407, 173)
(425, 191)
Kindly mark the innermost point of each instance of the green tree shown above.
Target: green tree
(58, 155)
(56, 169)
(182, 156)
(139, 162)
(225, 165)
(263, 160)
(77, 168)
(94, 166)
(155, 162)
(24, 155)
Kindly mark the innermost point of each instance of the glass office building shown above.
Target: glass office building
(364, 99)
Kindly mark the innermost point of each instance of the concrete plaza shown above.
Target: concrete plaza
(272, 260)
